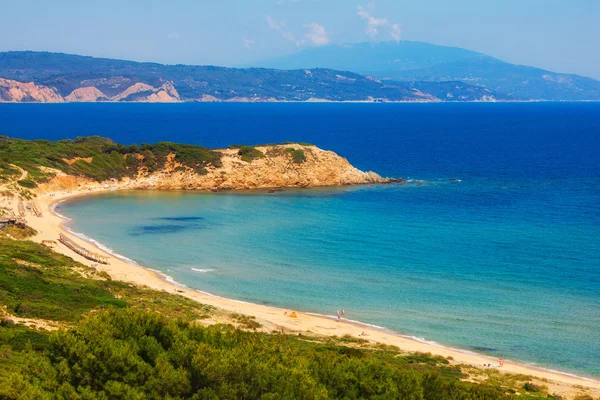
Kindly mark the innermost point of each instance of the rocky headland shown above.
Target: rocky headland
(274, 167)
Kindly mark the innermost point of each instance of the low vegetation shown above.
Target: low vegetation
(298, 155)
(17, 232)
(95, 157)
(101, 159)
(249, 153)
(135, 355)
(27, 183)
(245, 321)
(36, 282)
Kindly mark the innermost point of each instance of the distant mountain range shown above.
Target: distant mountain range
(385, 72)
(55, 77)
(408, 61)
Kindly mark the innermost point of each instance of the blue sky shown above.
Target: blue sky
(560, 35)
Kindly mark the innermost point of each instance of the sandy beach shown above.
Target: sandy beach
(49, 226)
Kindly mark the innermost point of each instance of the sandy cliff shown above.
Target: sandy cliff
(13, 91)
(166, 93)
(21, 92)
(86, 94)
(276, 170)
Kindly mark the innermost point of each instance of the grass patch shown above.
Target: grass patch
(18, 232)
(36, 282)
(246, 321)
(534, 388)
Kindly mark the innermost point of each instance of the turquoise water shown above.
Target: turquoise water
(488, 277)
(505, 262)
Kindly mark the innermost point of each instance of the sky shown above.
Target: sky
(559, 35)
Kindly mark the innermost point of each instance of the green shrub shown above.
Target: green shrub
(27, 183)
(298, 156)
(248, 322)
(249, 153)
(532, 387)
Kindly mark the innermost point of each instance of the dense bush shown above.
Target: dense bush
(298, 155)
(131, 354)
(27, 183)
(249, 153)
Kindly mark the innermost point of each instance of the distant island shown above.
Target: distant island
(386, 72)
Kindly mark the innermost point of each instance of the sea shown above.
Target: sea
(491, 246)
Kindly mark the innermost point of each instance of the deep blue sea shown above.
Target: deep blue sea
(505, 262)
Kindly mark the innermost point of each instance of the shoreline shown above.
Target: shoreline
(122, 268)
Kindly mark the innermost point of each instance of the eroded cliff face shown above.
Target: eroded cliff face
(276, 170)
(166, 93)
(14, 91)
(86, 94)
(20, 92)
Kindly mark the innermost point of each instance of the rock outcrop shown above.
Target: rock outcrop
(21, 92)
(86, 94)
(140, 91)
(276, 170)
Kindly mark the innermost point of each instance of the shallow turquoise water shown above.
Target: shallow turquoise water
(464, 264)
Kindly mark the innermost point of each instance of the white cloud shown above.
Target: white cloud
(375, 26)
(317, 34)
(272, 23)
(174, 35)
(248, 43)
(278, 26)
(396, 32)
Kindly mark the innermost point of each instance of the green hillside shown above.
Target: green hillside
(66, 72)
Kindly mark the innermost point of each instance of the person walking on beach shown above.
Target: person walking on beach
(338, 315)
(343, 313)
(501, 362)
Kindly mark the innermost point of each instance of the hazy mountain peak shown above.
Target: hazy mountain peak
(370, 57)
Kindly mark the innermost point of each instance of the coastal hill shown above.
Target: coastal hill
(54, 77)
(408, 62)
(165, 165)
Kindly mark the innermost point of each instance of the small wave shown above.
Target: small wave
(168, 278)
(354, 322)
(89, 239)
(101, 246)
(585, 378)
(203, 269)
(53, 209)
